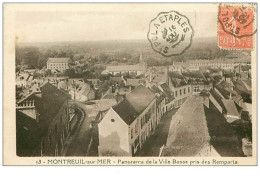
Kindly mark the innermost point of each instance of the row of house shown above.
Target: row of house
(126, 126)
(124, 129)
(211, 118)
(199, 130)
(44, 121)
(137, 69)
(198, 64)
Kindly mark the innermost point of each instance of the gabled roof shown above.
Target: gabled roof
(135, 82)
(117, 79)
(228, 74)
(223, 138)
(241, 88)
(58, 60)
(177, 79)
(167, 91)
(85, 89)
(160, 94)
(155, 89)
(245, 68)
(175, 74)
(225, 84)
(248, 83)
(48, 105)
(188, 132)
(225, 88)
(134, 104)
(194, 74)
(218, 98)
(230, 107)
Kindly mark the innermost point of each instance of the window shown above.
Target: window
(143, 137)
(112, 120)
(184, 91)
(136, 142)
(132, 133)
(136, 128)
(180, 92)
(176, 93)
(188, 89)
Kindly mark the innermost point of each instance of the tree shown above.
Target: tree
(70, 73)
(48, 72)
(31, 57)
(104, 58)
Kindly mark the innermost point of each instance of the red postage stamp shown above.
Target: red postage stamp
(236, 27)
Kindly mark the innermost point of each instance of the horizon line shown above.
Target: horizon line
(98, 40)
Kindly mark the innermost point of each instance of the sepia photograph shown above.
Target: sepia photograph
(128, 82)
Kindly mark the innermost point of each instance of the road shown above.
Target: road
(81, 139)
(158, 139)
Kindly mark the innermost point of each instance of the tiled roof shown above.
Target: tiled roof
(47, 105)
(135, 82)
(175, 74)
(155, 89)
(167, 91)
(248, 82)
(58, 60)
(116, 79)
(225, 84)
(229, 74)
(195, 126)
(188, 132)
(134, 104)
(194, 74)
(223, 138)
(230, 107)
(177, 79)
(218, 98)
(241, 88)
(161, 96)
(245, 68)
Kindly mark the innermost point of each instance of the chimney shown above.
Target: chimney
(167, 75)
(150, 77)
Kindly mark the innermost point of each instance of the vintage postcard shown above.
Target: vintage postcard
(130, 84)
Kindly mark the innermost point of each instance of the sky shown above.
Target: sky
(90, 22)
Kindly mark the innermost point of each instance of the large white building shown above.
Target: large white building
(126, 127)
(137, 69)
(198, 64)
(60, 64)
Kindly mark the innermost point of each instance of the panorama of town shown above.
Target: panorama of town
(122, 100)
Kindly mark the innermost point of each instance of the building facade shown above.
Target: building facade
(198, 64)
(126, 127)
(60, 64)
(43, 122)
(138, 69)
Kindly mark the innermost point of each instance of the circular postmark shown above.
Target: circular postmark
(170, 33)
(237, 20)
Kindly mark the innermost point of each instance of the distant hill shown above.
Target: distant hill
(127, 51)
